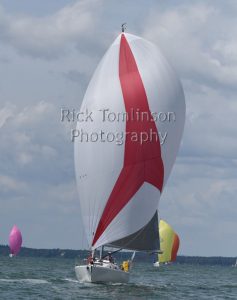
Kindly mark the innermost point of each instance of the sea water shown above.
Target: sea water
(54, 278)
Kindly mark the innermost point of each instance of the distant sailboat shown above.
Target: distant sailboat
(169, 244)
(235, 265)
(15, 241)
(120, 181)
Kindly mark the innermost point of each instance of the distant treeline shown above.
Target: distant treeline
(200, 260)
(140, 256)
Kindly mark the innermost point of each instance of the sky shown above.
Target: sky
(49, 50)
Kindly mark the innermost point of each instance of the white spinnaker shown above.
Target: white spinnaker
(98, 165)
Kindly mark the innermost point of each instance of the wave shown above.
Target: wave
(71, 280)
(26, 280)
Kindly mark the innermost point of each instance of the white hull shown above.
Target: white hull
(156, 264)
(100, 273)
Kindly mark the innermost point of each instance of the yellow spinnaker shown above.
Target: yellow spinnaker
(169, 243)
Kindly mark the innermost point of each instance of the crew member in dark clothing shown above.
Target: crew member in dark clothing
(111, 260)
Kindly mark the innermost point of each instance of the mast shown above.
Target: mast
(124, 26)
(101, 252)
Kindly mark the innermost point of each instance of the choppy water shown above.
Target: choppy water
(51, 278)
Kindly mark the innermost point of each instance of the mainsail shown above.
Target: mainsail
(146, 238)
(120, 180)
(169, 243)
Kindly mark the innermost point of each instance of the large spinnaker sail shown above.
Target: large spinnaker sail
(120, 183)
(169, 243)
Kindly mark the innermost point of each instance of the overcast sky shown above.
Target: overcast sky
(49, 50)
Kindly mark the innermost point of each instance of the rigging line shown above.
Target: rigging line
(100, 209)
(91, 215)
(93, 201)
(94, 206)
(85, 240)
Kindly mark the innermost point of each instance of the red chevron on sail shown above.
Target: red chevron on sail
(142, 161)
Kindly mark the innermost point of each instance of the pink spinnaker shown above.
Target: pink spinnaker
(15, 240)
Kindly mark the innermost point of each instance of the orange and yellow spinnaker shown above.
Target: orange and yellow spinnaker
(169, 243)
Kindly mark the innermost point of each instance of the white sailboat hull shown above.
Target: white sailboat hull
(100, 273)
(156, 264)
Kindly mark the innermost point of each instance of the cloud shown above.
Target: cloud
(210, 127)
(37, 144)
(9, 184)
(198, 39)
(48, 215)
(50, 36)
(5, 113)
(74, 76)
(37, 182)
(199, 202)
(203, 53)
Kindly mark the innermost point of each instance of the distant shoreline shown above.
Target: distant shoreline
(144, 257)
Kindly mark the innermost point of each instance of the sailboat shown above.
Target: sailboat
(15, 241)
(235, 265)
(121, 163)
(169, 244)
